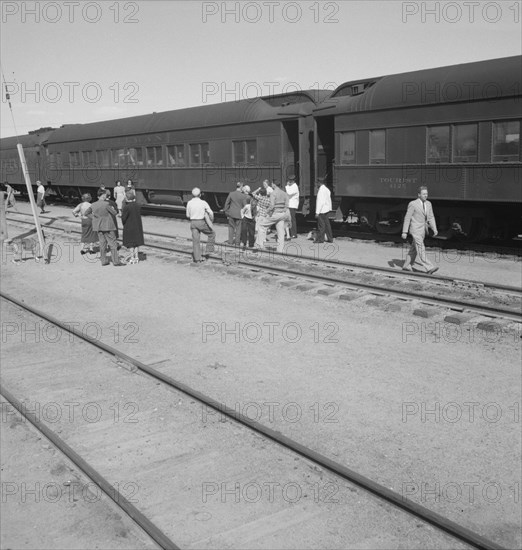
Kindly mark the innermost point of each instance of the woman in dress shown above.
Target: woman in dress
(89, 237)
(132, 226)
(119, 195)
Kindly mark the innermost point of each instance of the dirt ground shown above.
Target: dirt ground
(180, 465)
(429, 410)
(48, 503)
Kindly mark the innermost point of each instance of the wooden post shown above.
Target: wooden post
(3, 219)
(31, 198)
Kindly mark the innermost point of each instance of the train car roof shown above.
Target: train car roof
(490, 79)
(279, 106)
(32, 139)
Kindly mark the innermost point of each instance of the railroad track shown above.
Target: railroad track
(467, 296)
(286, 444)
(100, 481)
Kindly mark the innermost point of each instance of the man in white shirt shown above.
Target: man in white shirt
(292, 190)
(323, 206)
(40, 196)
(201, 218)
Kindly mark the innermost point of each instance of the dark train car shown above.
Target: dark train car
(35, 156)
(212, 147)
(454, 129)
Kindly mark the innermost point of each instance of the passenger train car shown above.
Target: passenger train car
(454, 129)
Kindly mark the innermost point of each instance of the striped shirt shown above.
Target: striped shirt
(263, 204)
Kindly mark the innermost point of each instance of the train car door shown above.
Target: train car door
(325, 149)
(325, 159)
(290, 157)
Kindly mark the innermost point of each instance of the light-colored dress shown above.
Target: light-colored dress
(119, 195)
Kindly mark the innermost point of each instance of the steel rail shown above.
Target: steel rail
(152, 530)
(337, 263)
(441, 522)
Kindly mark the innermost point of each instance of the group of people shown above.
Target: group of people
(251, 215)
(100, 225)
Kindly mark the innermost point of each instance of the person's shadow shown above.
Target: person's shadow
(396, 263)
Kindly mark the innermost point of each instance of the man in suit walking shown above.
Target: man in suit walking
(418, 217)
(104, 223)
(233, 205)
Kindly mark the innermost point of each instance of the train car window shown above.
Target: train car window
(205, 153)
(195, 155)
(102, 158)
(154, 156)
(176, 155)
(88, 158)
(55, 160)
(465, 143)
(74, 158)
(238, 152)
(139, 156)
(244, 152)
(251, 151)
(438, 139)
(506, 141)
(9, 166)
(135, 156)
(119, 158)
(377, 146)
(199, 154)
(347, 146)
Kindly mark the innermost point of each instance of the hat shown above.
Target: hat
(38, 181)
(246, 189)
(291, 177)
(196, 192)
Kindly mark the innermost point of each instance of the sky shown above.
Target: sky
(87, 61)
